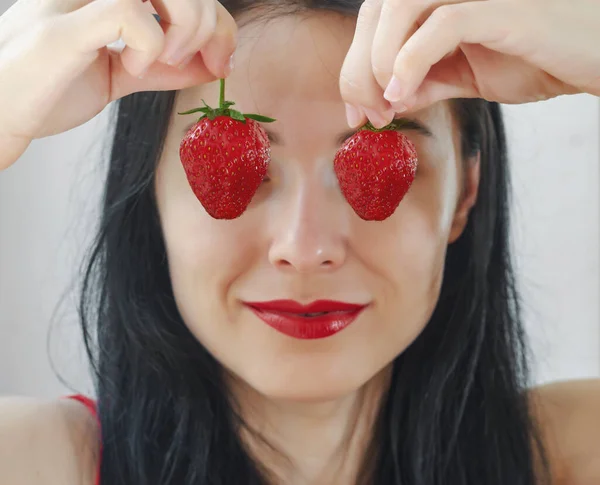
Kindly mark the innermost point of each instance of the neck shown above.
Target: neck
(316, 442)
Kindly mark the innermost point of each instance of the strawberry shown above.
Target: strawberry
(375, 168)
(225, 155)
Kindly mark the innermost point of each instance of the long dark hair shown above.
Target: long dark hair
(457, 411)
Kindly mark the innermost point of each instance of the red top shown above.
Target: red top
(91, 405)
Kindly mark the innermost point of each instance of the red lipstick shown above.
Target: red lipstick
(319, 319)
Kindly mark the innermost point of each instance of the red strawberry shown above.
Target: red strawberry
(225, 156)
(375, 168)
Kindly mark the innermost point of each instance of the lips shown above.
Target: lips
(319, 319)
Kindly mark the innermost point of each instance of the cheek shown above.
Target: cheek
(205, 255)
(416, 261)
(409, 249)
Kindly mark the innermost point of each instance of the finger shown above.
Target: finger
(399, 19)
(217, 53)
(159, 77)
(431, 92)
(450, 78)
(103, 22)
(358, 86)
(187, 24)
(442, 33)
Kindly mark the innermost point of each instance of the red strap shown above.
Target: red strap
(91, 405)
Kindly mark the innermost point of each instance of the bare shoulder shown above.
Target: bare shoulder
(568, 413)
(46, 442)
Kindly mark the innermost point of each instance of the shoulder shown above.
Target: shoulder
(568, 414)
(47, 442)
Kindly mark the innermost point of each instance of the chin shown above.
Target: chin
(302, 386)
(313, 394)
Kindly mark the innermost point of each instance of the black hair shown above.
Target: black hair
(457, 411)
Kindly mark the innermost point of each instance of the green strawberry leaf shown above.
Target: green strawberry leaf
(224, 109)
(395, 124)
(264, 119)
(195, 110)
(236, 115)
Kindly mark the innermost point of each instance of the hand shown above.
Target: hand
(56, 71)
(408, 54)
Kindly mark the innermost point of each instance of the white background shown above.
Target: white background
(555, 149)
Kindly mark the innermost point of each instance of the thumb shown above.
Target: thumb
(158, 77)
(450, 78)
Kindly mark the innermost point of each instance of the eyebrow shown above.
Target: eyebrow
(408, 124)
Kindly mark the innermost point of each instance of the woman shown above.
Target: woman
(428, 384)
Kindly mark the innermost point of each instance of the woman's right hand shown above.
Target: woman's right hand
(56, 71)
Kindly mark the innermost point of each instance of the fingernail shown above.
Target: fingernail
(185, 62)
(393, 92)
(229, 66)
(354, 115)
(379, 120)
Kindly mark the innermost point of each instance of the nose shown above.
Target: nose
(309, 233)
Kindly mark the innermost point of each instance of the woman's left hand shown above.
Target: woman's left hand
(510, 51)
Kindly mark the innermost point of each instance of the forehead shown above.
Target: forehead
(294, 57)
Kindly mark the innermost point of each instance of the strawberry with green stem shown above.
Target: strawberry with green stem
(225, 156)
(375, 168)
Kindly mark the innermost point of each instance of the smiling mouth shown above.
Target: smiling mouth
(307, 326)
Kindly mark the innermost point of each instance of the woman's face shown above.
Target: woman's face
(299, 239)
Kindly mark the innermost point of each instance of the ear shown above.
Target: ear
(467, 199)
